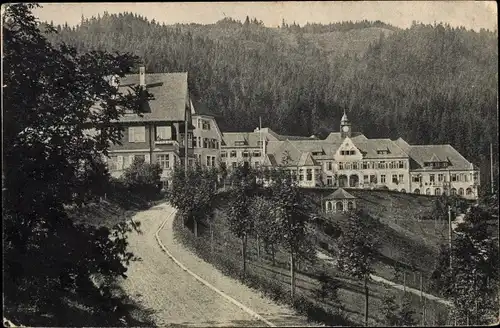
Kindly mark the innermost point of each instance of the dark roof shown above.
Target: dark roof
(170, 96)
(424, 153)
(340, 194)
(370, 147)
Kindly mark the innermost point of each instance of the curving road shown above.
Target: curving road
(176, 297)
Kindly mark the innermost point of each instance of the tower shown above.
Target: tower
(345, 126)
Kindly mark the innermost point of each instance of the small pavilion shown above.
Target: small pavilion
(339, 201)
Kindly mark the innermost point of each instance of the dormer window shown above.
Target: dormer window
(382, 151)
(240, 143)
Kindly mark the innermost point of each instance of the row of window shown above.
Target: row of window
(120, 162)
(436, 165)
(453, 191)
(347, 152)
(203, 124)
(206, 143)
(255, 164)
(244, 153)
(370, 165)
(441, 177)
(138, 133)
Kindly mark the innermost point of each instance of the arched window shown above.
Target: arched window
(339, 206)
(468, 191)
(428, 191)
(404, 191)
(437, 191)
(416, 191)
(350, 205)
(461, 191)
(329, 206)
(453, 191)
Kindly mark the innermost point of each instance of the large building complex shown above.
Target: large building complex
(342, 159)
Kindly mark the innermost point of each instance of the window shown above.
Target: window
(199, 123)
(309, 174)
(440, 177)
(163, 160)
(239, 143)
(401, 164)
(354, 166)
(347, 166)
(401, 178)
(437, 192)
(213, 161)
(329, 180)
(205, 143)
(365, 179)
(468, 191)
(232, 153)
(137, 134)
(461, 177)
(246, 154)
(394, 178)
(342, 153)
(329, 166)
(461, 191)
(199, 142)
(223, 154)
(365, 165)
(415, 178)
(208, 160)
(373, 178)
(381, 165)
(391, 166)
(206, 125)
(432, 178)
(382, 178)
(163, 133)
(256, 153)
(341, 166)
(352, 152)
(301, 175)
(453, 177)
(465, 178)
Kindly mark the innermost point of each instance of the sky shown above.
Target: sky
(470, 14)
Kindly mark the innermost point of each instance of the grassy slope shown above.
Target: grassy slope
(352, 299)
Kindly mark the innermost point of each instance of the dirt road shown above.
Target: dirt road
(176, 297)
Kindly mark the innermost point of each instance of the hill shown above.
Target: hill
(402, 245)
(429, 84)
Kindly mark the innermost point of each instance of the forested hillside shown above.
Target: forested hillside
(427, 84)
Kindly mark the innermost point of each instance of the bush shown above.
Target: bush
(143, 178)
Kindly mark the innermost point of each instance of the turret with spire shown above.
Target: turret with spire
(345, 126)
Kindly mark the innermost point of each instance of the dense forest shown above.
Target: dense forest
(427, 83)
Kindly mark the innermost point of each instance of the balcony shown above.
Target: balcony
(167, 142)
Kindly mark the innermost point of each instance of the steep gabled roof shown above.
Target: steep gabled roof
(403, 145)
(423, 153)
(170, 96)
(370, 148)
(306, 159)
(340, 193)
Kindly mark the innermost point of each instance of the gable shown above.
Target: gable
(348, 151)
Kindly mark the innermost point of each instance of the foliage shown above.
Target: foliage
(472, 282)
(193, 191)
(357, 247)
(429, 84)
(265, 227)
(293, 212)
(50, 160)
(143, 178)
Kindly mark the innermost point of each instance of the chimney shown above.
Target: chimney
(142, 76)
